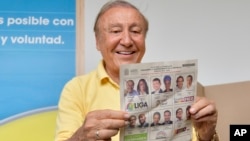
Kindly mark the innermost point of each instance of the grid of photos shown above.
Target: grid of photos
(158, 98)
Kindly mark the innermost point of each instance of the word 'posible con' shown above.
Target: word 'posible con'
(31, 20)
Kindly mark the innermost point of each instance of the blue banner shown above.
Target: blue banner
(37, 53)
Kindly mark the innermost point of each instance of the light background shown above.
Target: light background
(216, 32)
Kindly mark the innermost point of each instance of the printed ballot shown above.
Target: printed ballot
(158, 96)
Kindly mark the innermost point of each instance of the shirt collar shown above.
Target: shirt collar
(102, 75)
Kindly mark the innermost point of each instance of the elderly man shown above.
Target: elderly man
(89, 107)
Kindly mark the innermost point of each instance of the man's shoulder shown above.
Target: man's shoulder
(92, 75)
(84, 77)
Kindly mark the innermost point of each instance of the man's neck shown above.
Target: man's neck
(115, 78)
(113, 75)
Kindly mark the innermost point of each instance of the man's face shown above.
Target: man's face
(167, 116)
(156, 85)
(142, 119)
(121, 37)
(132, 121)
(179, 114)
(179, 82)
(130, 86)
(189, 80)
(156, 118)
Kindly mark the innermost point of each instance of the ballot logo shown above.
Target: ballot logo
(239, 132)
(130, 107)
(136, 105)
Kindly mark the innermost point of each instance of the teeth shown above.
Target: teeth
(125, 52)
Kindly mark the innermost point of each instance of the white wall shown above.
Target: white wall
(216, 32)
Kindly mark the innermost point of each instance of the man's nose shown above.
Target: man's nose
(126, 39)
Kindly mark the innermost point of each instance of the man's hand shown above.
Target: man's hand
(101, 125)
(204, 116)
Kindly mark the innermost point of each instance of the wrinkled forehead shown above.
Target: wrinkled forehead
(121, 14)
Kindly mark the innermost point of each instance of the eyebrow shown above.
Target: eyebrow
(135, 24)
(114, 25)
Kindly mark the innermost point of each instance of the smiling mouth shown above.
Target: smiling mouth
(125, 52)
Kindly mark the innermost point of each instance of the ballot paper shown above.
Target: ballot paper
(157, 96)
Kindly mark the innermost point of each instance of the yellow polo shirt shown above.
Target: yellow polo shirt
(83, 94)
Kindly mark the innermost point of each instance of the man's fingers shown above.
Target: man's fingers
(105, 119)
(113, 123)
(105, 134)
(200, 104)
(208, 110)
(205, 119)
(108, 114)
(203, 110)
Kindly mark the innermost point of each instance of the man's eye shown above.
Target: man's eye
(136, 31)
(115, 31)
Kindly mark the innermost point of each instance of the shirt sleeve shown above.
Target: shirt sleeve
(70, 111)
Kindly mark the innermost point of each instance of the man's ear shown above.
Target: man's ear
(96, 43)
